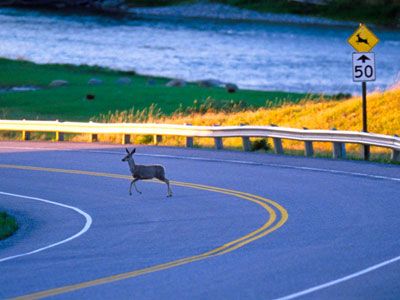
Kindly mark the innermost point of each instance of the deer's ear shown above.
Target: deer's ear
(134, 150)
(127, 151)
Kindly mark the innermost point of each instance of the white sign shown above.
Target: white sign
(364, 66)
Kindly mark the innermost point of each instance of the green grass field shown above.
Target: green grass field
(382, 12)
(69, 103)
(8, 225)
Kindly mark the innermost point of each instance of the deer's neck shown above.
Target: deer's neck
(132, 164)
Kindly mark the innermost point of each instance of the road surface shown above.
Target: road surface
(239, 225)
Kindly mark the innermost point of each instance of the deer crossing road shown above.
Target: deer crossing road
(239, 225)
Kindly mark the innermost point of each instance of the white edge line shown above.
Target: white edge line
(242, 162)
(332, 171)
(82, 231)
(340, 280)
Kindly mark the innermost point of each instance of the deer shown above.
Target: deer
(360, 40)
(141, 172)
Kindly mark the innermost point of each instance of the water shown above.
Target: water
(255, 55)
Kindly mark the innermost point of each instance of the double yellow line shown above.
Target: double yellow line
(277, 217)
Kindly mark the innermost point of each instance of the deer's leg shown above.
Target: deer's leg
(169, 191)
(133, 183)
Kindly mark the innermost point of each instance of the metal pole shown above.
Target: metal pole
(365, 124)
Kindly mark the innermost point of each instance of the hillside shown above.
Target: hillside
(382, 12)
(383, 118)
(383, 114)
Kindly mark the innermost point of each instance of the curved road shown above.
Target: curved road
(239, 226)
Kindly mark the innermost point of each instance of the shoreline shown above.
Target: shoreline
(208, 83)
(62, 89)
(290, 12)
(236, 63)
(223, 12)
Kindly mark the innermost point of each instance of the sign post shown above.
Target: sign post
(365, 123)
(363, 40)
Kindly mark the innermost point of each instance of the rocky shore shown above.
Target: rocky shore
(207, 10)
(199, 9)
(98, 5)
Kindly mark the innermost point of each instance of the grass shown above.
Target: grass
(150, 3)
(8, 225)
(69, 103)
(156, 103)
(383, 116)
(383, 12)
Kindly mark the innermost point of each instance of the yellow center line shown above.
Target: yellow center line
(270, 206)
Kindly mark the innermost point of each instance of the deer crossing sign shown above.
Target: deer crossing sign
(363, 39)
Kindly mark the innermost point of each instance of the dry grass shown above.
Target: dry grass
(383, 117)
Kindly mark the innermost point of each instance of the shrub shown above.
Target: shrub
(8, 225)
(260, 144)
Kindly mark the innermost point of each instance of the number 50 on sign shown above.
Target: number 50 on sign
(364, 66)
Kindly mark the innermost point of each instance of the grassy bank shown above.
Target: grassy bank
(70, 102)
(8, 225)
(157, 103)
(383, 116)
(383, 12)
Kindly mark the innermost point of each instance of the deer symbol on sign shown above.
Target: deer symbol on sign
(360, 40)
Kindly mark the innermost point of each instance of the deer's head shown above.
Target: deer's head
(129, 155)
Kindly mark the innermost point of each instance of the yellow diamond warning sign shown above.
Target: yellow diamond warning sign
(363, 39)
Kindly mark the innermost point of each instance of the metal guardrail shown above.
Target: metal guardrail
(337, 137)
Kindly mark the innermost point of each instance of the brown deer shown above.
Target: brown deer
(141, 172)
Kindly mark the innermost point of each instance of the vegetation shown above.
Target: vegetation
(147, 3)
(384, 12)
(383, 116)
(79, 101)
(8, 225)
(157, 103)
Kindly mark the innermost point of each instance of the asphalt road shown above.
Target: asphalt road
(239, 225)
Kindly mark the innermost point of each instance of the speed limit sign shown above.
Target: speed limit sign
(364, 66)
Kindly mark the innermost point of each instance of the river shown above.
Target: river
(252, 54)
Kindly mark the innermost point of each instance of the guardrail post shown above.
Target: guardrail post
(246, 141)
(189, 142)
(94, 138)
(26, 135)
(395, 155)
(308, 147)
(219, 145)
(189, 139)
(278, 148)
(157, 139)
(59, 136)
(339, 149)
(126, 139)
